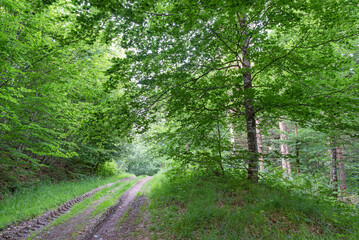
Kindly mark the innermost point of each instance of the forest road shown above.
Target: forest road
(24, 229)
(109, 227)
(85, 225)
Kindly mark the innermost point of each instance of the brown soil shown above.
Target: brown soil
(77, 225)
(135, 225)
(24, 229)
(109, 227)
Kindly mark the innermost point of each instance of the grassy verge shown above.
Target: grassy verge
(236, 209)
(30, 202)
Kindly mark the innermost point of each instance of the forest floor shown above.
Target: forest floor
(103, 213)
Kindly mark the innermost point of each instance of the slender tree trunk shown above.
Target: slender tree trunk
(260, 148)
(341, 168)
(219, 147)
(297, 148)
(284, 150)
(333, 169)
(232, 136)
(249, 109)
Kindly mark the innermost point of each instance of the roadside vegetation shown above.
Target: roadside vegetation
(27, 203)
(194, 206)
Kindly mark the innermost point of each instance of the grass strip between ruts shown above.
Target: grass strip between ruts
(111, 195)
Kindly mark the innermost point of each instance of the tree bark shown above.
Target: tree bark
(333, 169)
(341, 168)
(297, 148)
(260, 148)
(219, 147)
(249, 109)
(284, 150)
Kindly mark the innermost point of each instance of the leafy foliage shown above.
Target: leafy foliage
(52, 104)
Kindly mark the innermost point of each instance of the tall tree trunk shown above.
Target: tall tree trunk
(297, 148)
(260, 148)
(284, 150)
(249, 109)
(341, 168)
(333, 168)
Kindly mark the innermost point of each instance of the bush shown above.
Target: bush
(109, 168)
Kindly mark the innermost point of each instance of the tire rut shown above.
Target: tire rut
(76, 226)
(107, 227)
(24, 229)
(135, 226)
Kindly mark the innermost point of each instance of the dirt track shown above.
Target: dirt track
(104, 226)
(109, 228)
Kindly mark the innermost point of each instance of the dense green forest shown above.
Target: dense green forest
(256, 93)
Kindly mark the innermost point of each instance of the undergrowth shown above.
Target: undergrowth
(27, 203)
(194, 207)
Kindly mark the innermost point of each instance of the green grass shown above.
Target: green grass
(100, 208)
(236, 209)
(27, 203)
(111, 194)
(122, 219)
